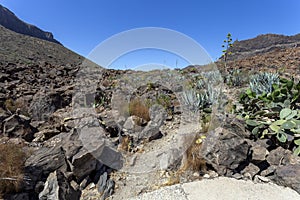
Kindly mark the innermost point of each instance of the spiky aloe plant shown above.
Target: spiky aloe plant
(196, 100)
(212, 77)
(191, 99)
(213, 94)
(263, 82)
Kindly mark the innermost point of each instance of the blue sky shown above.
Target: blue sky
(82, 25)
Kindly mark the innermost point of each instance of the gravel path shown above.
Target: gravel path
(222, 189)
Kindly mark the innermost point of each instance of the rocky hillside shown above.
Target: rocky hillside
(17, 48)
(263, 44)
(73, 131)
(10, 21)
(270, 52)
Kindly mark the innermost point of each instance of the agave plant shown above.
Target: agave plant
(213, 94)
(235, 77)
(262, 83)
(193, 100)
(212, 77)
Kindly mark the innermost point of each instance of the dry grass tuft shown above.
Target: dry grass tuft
(126, 143)
(192, 159)
(139, 109)
(12, 160)
(14, 105)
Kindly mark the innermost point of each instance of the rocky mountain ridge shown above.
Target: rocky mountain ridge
(10, 21)
(261, 44)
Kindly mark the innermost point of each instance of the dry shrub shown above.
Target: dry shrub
(192, 158)
(13, 105)
(139, 109)
(125, 144)
(9, 105)
(12, 160)
(138, 121)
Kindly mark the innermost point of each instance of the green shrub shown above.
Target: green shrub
(286, 128)
(275, 114)
(165, 101)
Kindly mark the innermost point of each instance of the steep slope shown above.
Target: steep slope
(18, 48)
(285, 61)
(10, 21)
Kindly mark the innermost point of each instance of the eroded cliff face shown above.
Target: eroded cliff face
(10, 21)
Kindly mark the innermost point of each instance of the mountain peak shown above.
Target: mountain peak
(10, 21)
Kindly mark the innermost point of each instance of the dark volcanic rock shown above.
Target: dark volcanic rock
(259, 153)
(288, 176)
(18, 126)
(58, 188)
(250, 171)
(157, 116)
(276, 156)
(44, 104)
(83, 164)
(10, 21)
(226, 151)
(105, 186)
(44, 161)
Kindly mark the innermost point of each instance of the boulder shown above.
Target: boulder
(157, 116)
(58, 188)
(276, 156)
(225, 151)
(42, 162)
(102, 183)
(170, 159)
(288, 176)
(44, 104)
(83, 163)
(71, 143)
(250, 171)
(18, 126)
(133, 124)
(45, 134)
(105, 186)
(93, 140)
(259, 153)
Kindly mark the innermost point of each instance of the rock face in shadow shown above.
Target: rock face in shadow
(226, 151)
(57, 187)
(10, 21)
